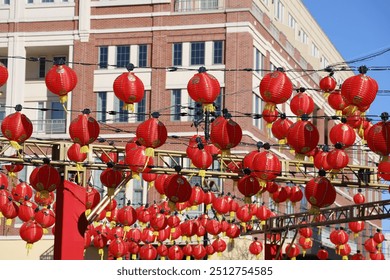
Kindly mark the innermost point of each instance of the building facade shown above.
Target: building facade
(167, 41)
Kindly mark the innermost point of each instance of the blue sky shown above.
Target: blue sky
(358, 28)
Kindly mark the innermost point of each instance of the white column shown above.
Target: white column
(84, 20)
(17, 73)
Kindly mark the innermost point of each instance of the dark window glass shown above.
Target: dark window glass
(122, 56)
(218, 52)
(143, 56)
(103, 57)
(177, 54)
(197, 53)
(176, 105)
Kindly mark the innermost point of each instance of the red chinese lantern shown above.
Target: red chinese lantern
(158, 221)
(175, 253)
(12, 169)
(378, 237)
(359, 198)
(17, 128)
(219, 245)
(204, 88)
(107, 157)
(339, 238)
(269, 116)
(342, 133)
(74, 154)
(9, 210)
(377, 256)
(22, 192)
(45, 217)
(118, 248)
(177, 188)
(148, 236)
(84, 130)
(266, 167)
(360, 90)
(384, 169)
(233, 231)
(356, 227)
(152, 134)
(244, 214)
(272, 187)
(3, 74)
(221, 205)
(337, 102)
(209, 250)
(292, 251)
(305, 243)
(247, 161)
(321, 159)
(198, 251)
(280, 128)
(201, 159)
(134, 234)
(187, 251)
(263, 214)
(61, 80)
(188, 229)
(111, 179)
(30, 232)
(133, 248)
(302, 137)
(337, 158)
(328, 84)
(196, 197)
(275, 88)
(147, 252)
(27, 210)
(256, 247)
(44, 198)
(280, 195)
(92, 199)
(319, 192)
(248, 186)
(358, 256)
(371, 245)
(345, 251)
(296, 194)
(322, 254)
(129, 88)
(136, 158)
(208, 199)
(378, 137)
(162, 251)
(45, 178)
(127, 216)
(225, 133)
(302, 103)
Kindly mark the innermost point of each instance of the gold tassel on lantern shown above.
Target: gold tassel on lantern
(29, 247)
(133, 256)
(150, 185)
(149, 152)
(84, 149)
(87, 212)
(101, 253)
(202, 175)
(208, 107)
(128, 107)
(8, 222)
(15, 145)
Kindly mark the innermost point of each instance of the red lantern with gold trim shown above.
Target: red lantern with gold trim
(337, 158)
(175, 253)
(129, 88)
(117, 248)
(275, 88)
(266, 167)
(198, 251)
(248, 186)
(342, 133)
(152, 134)
(302, 103)
(280, 128)
(219, 245)
(45, 178)
(17, 128)
(111, 179)
(328, 84)
(3, 74)
(270, 116)
(61, 80)
(378, 137)
(147, 252)
(27, 210)
(30, 232)
(84, 130)
(256, 247)
(319, 192)
(356, 227)
(302, 137)
(22, 192)
(292, 251)
(127, 216)
(322, 254)
(45, 217)
(204, 88)
(225, 133)
(337, 102)
(177, 188)
(384, 169)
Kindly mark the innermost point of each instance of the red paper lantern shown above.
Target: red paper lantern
(198, 251)
(256, 247)
(248, 186)
(272, 187)
(339, 238)
(225, 133)
(201, 158)
(384, 169)
(17, 128)
(244, 214)
(147, 252)
(45, 217)
(378, 138)
(92, 198)
(322, 254)
(107, 157)
(371, 245)
(378, 256)
(221, 205)
(44, 198)
(233, 231)
(162, 251)
(111, 179)
(263, 214)
(147, 235)
(136, 158)
(45, 178)
(196, 197)
(158, 221)
(280, 128)
(378, 237)
(305, 243)
(177, 188)
(127, 216)
(134, 235)
(30, 232)
(292, 251)
(129, 89)
(10, 210)
(302, 103)
(360, 90)
(12, 169)
(302, 137)
(356, 227)
(280, 195)
(152, 134)
(270, 115)
(3, 74)
(133, 248)
(321, 159)
(359, 198)
(337, 102)
(84, 130)
(204, 88)
(358, 256)
(74, 154)
(296, 194)
(187, 251)
(22, 192)
(247, 161)
(175, 253)
(219, 245)
(61, 80)
(275, 88)
(337, 158)
(342, 133)
(27, 210)
(345, 251)
(266, 166)
(118, 248)
(328, 84)
(320, 193)
(188, 229)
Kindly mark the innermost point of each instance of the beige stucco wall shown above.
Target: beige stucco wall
(16, 249)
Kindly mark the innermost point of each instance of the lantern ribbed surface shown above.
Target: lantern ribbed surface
(45, 177)
(378, 138)
(203, 88)
(3, 74)
(177, 188)
(61, 79)
(129, 88)
(302, 103)
(17, 127)
(276, 87)
(74, 153)
(248, 185)
(342, 133)
(152, 133)
(337, 159)
(84, 130)
(337, 101)
(319, 192)
(266, 166)
(327, 84)
(359, 90)
(280, 128)
(303, 137)
(225, 133)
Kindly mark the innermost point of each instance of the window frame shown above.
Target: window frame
(197, 53)
(122, 56)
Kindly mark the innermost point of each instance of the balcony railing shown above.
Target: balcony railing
(198, 5)
(53, 126)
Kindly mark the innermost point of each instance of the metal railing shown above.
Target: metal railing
(50, 126)
(48, 254)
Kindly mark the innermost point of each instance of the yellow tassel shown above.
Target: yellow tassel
(126, 228)
(232, 214)
(247, 200)
(293, 258)
(219, 254)
(149, 152)
(262, 223)
(84, 149)
(110, 191)
(101, 253)
(150, 185)
(155, 233)
(12, 174)
(270, 107)
(355, 235)
(15, 145)
(188, 258)
(208, 207)
(326, 95)
(45, 230)
(162, 258)
(79, 166)
(112, 224)
(339, 113)
(303, 253)
(269, 125)
(128, 107)
(1, 216)
(63, 98)
(136, 176)
(29, 247)
(87, 212)
(118, 259)
(202, 174)
(208, 107)
(133, 256)
(108, 214)
(8, 222)
(345, 258)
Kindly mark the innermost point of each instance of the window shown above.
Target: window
(2, 113)
(324, 62)
(30, 1)
(272, 67)
(6, 2)
(303, 36)
(41, 116)
(103, 57)
(59, 60)
(208, 4)
(138, 193)
(42, 67)
(57, 111)
(177, 54)
(47, 1)
(218, 52)
(4, 61)
(289, 208)
(279, 10)
(314, 50)
(197, 53)
(259, 61)
(303, 203)
(122, 56)
(122, 115)
(101, 109)
(196, 114)
(183, 5)
(291, 21)
(142, 55)
(141, 110)
(176, 104)
(257, 109)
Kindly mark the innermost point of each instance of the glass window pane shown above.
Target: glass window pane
(57, 111)
(142, 55)
(101, 107)
(197, 53)
(177, 54)
(103, 57)
(141, 110)
(122, 56)
(176, 105)
(218, 52)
